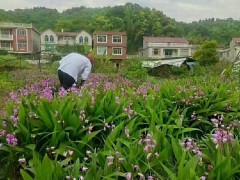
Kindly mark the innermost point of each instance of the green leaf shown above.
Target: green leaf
(176, 150)
(25, 175)
(113, 135)
(169, 172)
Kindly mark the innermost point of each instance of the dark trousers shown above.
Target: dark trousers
(65, 79)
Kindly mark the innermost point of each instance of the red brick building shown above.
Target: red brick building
(19, 38)
(112, 44)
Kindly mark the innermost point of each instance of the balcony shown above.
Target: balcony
(11, 25)
(6, 37)
(6, 48)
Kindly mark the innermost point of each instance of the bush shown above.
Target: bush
(3, 52)
(133, 70)
(207, 54)
(12, 61)
(103, 64)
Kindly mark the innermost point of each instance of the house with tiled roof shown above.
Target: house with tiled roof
(165, 47)
(50, 40)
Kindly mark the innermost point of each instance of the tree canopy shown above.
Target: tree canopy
(207, 54)
(137, 21)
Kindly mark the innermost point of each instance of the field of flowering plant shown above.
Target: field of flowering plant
(113, 128)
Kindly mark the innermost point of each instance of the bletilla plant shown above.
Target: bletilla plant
(236, 70)
(112, 128)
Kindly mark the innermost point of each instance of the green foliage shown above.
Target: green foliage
(207, 54)
(236, 70)
(137, 21)
(141, 126)
(42, 169)
(103, 64)
(133, 70)
(55, 57)
(12, 61)
(3, 52)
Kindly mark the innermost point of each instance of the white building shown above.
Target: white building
(50, 39)
(165, 47)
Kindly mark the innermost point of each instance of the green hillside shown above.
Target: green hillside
(132, 18)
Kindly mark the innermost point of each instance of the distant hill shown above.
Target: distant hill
(132, 18)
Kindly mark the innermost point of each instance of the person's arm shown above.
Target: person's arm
(80, 83)
(86, 72)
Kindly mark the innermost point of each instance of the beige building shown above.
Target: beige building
(234, 49)
(165, 47)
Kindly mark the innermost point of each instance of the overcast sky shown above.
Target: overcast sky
(180, 10)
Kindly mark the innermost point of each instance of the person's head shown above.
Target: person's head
(90, 57)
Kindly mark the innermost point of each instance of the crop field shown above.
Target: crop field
(114, 127)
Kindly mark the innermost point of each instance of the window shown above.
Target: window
(21, 32)
(168, 52)
(46, 38)
(5, 31)
(5, 45)
(117, 51)
(101, 50)
(51, 38)
(86, 39)
(67, 38)
(102, 38)
(22, 45)
(117, 39)
(81, 40)
(156, 51)
(184, 52)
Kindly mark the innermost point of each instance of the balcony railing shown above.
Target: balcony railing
(6, 37)
(6, 48)
(8, 24)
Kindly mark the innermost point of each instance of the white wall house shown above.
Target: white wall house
(84, 37)
(165, 47)
(50, 39)
(235, 49)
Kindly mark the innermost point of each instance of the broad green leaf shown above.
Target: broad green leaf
(25, 175)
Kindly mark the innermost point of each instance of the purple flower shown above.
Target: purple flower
(110, 160)
(128, 176)
(127, 132)
(150, 177)
(117, 100)
(141, 176)
(47, 93)
(222, 136)
(11, 140)
(62, 92)
(136, 167)
(2, 133)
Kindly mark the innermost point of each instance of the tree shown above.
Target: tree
(207, 54)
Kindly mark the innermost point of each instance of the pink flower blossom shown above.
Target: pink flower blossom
(128, 176)
(10, 139)
(127, 132)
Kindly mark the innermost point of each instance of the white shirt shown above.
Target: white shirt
(76, 65)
